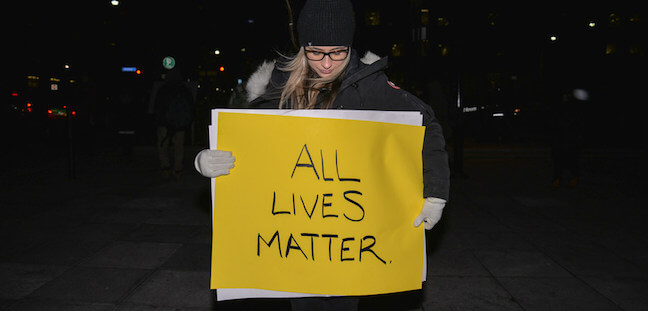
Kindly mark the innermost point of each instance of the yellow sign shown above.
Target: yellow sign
(319, 206)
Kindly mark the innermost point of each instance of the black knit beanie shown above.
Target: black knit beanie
(326, 23)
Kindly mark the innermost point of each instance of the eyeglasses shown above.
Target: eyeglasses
(334, 55)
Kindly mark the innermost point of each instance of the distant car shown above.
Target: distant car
(59, 113)
(19, 105)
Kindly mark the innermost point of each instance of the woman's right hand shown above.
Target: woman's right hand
(214, 163)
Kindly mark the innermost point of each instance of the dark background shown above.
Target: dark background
(499, 58)
(105, 238)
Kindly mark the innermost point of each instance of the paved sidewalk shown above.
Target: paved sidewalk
(119, 237)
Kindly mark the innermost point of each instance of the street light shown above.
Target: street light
(114, 2)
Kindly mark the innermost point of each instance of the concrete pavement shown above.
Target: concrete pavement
(119, 237)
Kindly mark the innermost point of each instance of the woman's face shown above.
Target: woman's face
(326, 61)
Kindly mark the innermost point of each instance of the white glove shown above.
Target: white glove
(430, 213)
(214, 163)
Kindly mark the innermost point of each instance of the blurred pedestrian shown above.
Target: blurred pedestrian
(327, 73)
(566, 138)
(174, 112)
(238, 99)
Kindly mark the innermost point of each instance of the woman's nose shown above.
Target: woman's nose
(327, 62)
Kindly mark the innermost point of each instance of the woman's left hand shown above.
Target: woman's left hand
(431, 212)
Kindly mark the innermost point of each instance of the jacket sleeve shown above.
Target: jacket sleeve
(436, 170)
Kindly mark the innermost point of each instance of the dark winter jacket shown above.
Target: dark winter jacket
(365, 86)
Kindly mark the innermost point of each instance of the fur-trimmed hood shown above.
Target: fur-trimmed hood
(258, 81)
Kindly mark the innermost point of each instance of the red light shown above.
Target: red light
(14, 94)
(139, 72)
(29, 109)
(64, 107)
(49, 111)
(222, 69)
(74, 113)
(28, 104)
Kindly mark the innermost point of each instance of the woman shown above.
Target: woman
(326, 73)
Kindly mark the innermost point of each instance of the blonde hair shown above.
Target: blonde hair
(303, 85)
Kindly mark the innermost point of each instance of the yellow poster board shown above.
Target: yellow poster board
(318, 206)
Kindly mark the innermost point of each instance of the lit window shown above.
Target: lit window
(492, 18)
(396, 50)
(610, 49)
(425, 17)
(443, 49)
(372, 18)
